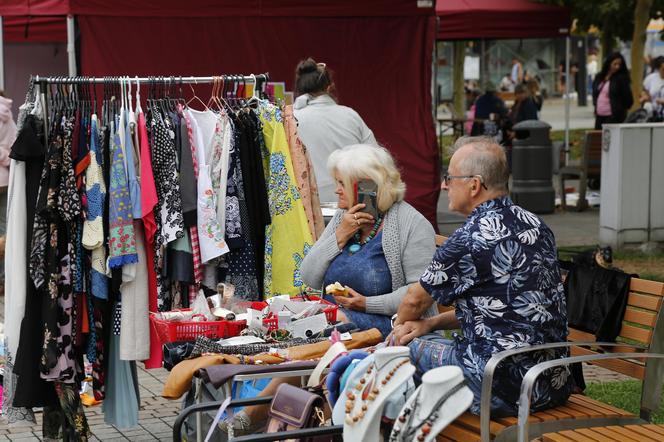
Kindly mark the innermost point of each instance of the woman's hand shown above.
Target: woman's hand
(353, 301)
(410, 330)
(351, 222)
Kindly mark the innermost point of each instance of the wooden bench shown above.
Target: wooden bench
(646, 432)
(587, 171)
(642, 328)
(506, 96)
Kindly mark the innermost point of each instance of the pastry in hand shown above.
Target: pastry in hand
(336, 289)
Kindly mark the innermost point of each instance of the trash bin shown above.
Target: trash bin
(532, 167)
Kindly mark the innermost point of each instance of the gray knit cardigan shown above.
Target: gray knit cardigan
(408, 244)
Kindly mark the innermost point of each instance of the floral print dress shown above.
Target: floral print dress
(52, 266)
(288, 236)
(168, 211)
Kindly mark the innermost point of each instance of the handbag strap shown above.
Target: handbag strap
(217, 418)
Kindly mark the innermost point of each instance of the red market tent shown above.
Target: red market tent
(35, 29)
(380, 51)
(491, 19)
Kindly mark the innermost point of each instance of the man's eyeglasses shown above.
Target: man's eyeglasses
(448, 178)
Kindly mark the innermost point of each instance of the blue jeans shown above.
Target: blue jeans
(433, 350)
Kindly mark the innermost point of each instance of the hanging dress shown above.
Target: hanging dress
(288, 238)
(135, 325)
(22, 385)
(248, 129)
(197, 262)
(148, 203)
(304, 174)
(93, 228)
(210, 232)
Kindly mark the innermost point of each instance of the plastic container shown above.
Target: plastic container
(172, 331)
(272, 322)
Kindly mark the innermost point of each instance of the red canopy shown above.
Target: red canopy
(475, 19)
(380, 51)
(34, 29)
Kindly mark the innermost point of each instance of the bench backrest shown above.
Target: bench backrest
(592, 150)
(639, 327)
(506, 96)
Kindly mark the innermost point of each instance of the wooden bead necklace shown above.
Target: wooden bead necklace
(419, 431)
(354, 248)
(368, 389)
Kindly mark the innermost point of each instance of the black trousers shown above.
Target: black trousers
(610, 119)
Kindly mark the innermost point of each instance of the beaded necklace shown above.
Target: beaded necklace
(419, 431)
(369, 390)
(354, 248)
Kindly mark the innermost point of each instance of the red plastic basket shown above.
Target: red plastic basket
(272, 323)
(172, 331)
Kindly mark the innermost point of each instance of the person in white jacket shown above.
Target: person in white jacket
(7, 137)
(323, 125)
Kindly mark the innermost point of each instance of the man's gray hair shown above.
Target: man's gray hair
(487, 158)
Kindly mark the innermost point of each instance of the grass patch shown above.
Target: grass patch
(624, 394)
(575, 140)
(646, 265)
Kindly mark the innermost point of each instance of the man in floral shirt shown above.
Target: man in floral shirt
(500, 270)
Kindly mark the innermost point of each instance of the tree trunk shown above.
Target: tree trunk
(607, 40)
(641, 17)
(457, 79)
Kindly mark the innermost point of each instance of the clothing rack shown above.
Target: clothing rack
(156, 79)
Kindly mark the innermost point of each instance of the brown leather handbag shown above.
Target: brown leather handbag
(293, 408)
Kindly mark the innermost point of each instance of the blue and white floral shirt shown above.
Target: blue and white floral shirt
(501, 271)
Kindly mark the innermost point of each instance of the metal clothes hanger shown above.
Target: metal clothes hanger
(195, 97)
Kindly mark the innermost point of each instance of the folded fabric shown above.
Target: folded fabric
(179, 379)
(361, 339)
(217, 375)
(206, 345)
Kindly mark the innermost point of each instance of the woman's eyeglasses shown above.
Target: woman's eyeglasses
(448, 178)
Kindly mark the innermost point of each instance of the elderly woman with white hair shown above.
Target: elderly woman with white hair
(374, 258)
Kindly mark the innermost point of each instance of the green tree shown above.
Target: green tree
(617, 19)
(614, 18)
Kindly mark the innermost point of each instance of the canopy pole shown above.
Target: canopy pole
(2, 54)
(567, 82)
(483, 65)
(71, 47)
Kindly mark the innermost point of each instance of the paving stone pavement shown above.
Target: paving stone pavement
(155, 417)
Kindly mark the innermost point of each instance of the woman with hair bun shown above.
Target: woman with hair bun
(323, 125)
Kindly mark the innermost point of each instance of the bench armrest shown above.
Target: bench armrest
(531, 376)
(492, 364)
